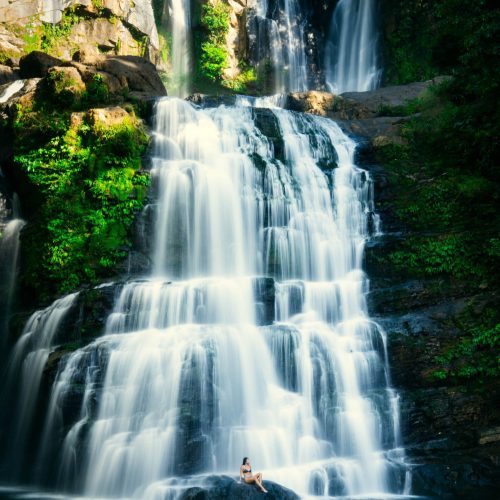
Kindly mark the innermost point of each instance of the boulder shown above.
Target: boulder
(314, 102)
(107, 117)
(11, 46)
(227, 488)
(36, 64)
(369, 104)
(7, 74)
(100, 35)
(363, 113)
(117, 26)
(67, 76)
(136, 73)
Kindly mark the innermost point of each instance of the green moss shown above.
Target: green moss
(88, 178)
(445, 184)
(475, 354)
(52, 34)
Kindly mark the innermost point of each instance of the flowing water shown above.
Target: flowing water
(351, 53)
(10, 90)
(9, 257)
(281, 40)
(251, 338)
(179, 20)
(24, 375)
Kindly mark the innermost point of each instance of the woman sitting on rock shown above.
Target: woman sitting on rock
(248, 477)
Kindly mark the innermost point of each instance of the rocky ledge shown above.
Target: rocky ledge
(107, 26)
(226, 488)
(372, 114)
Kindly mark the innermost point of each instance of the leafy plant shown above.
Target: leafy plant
(215, 20)
(89, 177)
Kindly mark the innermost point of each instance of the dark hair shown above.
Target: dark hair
(244, 460)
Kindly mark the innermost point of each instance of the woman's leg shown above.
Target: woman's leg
(258, 480)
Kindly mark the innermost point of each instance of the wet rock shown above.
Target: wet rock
(314, 102)
(210, 101)
(380, 130)
(86, 320)
(266, 121)
(467, 474)
(225, 487)
(264, 292)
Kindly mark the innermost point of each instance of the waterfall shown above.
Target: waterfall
(11, 89)
(351, 53)
(179, 20)
(9, 256)
(251, 337)
(24, 373)
(281, 41)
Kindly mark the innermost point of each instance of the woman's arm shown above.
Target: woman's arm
(241, 467)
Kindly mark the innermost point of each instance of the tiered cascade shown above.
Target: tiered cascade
(251, 338)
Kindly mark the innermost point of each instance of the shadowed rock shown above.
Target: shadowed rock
(224, 487)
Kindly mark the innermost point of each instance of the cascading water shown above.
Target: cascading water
(351, 53)
(179, 20)
(10, 90)
(9, 257)
(24, 373)
(281, 41)
(252, 337)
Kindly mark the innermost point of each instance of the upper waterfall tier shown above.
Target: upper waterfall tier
(280, 40)
(351, 54)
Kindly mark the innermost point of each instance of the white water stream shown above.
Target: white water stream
(197, 375)
(351, 54)
(251, 337)
(283, 43)
(179, 19)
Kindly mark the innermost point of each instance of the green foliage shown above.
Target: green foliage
(215, 19)
(425, 38)
(90, 181)
(446, 174)
(244, 81)
(451, 254)
(96, 92)
(32, 37)
(53, 33)
(213, 59)
(476, 355)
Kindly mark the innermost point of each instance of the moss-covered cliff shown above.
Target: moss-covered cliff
(75, 157)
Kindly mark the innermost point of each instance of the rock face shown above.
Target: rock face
(363, 113)
(449, 429)
(236, 40)
(120, 73)
(109, 26)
